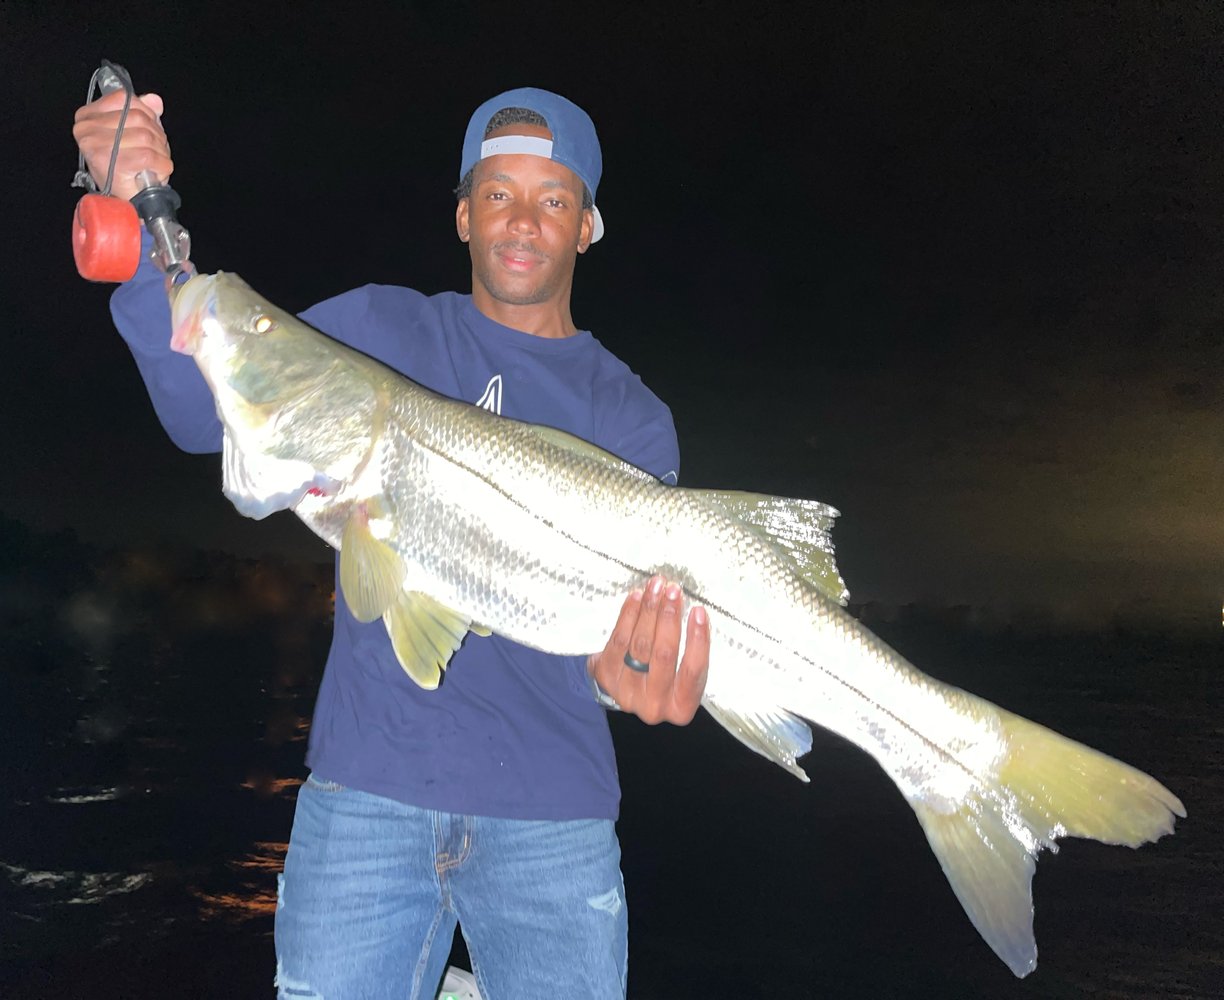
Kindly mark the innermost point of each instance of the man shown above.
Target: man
(492, 800)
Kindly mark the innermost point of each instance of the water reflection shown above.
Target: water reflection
(151, 746)
(267, 784)
(253, 890)
(73, 888)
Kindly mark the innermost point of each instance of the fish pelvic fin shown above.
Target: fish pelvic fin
(773, 732)
(371, 572)
(1047, 786)
(425, 635)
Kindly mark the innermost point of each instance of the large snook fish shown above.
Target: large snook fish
(450, 519)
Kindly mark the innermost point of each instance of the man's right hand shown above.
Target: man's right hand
(142, 147)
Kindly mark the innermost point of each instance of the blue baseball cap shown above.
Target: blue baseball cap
(574, 142)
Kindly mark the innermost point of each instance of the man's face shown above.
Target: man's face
(524, 223)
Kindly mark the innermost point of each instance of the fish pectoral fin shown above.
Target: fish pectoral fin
(773, 732)
(424, 635)
(801, 528)
(371, 572)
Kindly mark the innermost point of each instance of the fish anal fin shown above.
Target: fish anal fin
(801, 528)
(424, 635)
(773, 732)
(371, 572)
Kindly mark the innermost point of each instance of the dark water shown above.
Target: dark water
(152, 728)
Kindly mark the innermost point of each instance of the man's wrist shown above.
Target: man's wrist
(602, 696)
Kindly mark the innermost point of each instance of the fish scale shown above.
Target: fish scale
(449, 517)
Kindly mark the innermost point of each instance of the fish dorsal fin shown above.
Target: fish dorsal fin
(771, 731)
(424, 635)
(802, 528)
(371, 572)
(584, 449)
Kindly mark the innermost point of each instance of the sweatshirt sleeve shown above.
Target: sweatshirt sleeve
(342, 317)
(180, 396)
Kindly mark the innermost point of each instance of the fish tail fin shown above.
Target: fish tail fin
(1047, 786)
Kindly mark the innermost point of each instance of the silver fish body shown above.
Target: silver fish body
(449, 518)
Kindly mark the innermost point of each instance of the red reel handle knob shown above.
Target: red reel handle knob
(105, 238)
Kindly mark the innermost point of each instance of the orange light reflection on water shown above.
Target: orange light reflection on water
(256, 895)
(268, 784)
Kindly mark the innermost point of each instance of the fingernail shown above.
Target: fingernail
(699, 617)
(673, 591)
(656, 586)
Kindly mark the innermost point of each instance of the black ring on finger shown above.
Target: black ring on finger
(637, 665)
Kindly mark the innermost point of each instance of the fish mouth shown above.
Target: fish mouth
(190, 304)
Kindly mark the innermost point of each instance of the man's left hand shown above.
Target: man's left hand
(648, 630)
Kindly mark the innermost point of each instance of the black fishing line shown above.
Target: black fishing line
(114, 72)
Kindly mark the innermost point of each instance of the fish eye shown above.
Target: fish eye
(263, 324)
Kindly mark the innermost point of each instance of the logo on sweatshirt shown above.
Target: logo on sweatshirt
(491, 400)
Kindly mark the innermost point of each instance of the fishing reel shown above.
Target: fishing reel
(106, 229)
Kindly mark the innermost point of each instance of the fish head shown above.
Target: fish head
(221, 321)
(247, 348)
(298, 409)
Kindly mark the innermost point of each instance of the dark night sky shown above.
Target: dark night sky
(956, 269)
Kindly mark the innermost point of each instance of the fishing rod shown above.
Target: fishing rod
(105, 228)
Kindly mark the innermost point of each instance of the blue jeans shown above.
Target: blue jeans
(373, 888)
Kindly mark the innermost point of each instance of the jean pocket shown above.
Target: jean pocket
(322, 784)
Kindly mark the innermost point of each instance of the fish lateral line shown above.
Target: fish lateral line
(689, 590)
